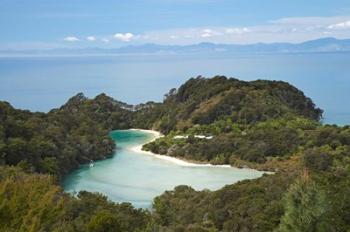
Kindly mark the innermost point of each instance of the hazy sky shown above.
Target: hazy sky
(114, 23)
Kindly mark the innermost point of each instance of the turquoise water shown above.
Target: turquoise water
(137, 178)
(25, 82)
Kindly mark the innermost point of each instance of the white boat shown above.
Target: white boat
(91, 164)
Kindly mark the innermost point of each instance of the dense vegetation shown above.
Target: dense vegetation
(249, 121)
(202, 101)
(282, 133)
(237, 144)
(34, 202)
(311, 195)
(262, 124)
(62, 139)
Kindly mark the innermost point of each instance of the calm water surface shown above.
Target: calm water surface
(43, 83)
(138, 178)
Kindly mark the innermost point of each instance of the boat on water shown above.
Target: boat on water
(91, 165)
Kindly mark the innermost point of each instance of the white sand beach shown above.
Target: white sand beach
(168, 158)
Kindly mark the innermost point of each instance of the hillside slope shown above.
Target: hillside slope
(64, 138)
(206, 100)
(226, 121)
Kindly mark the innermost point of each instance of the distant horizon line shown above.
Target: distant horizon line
(172, 45)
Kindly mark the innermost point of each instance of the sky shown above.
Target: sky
(47, 24)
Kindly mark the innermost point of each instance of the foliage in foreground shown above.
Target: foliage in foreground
(34, 202)
(253, 205)
(311, 196)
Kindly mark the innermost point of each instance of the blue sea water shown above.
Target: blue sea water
(42, 83)
(137, 178)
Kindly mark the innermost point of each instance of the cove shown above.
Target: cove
(132, 176)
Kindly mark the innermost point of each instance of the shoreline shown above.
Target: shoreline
(174, 160)
(156, 134)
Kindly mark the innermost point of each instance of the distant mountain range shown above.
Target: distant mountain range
(319, 45)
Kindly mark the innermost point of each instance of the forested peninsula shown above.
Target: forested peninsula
(267, 125)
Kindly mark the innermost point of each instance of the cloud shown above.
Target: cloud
(207, 33)
(91, 38)
(127, 37)
(237, 30)
(294, 30)
(71, 39)
(341, 25)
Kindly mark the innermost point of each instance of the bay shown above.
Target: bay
(137, 178)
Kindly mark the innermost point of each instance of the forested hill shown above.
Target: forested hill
(57, 142)
(102, 109)
(203, 101)
(248, 123)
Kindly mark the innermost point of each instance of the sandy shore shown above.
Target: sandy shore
(156, 134)
(174, 160)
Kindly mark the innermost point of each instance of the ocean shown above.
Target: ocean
(43, 83)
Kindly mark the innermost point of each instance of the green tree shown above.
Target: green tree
(306, 208)
(16, 151)
(317, 160)
(104, 221)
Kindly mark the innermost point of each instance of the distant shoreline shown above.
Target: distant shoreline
(174, 160)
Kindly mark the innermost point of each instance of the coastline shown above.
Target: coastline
(156, 134)
(174, 160)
